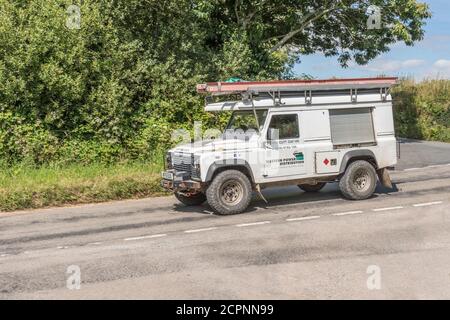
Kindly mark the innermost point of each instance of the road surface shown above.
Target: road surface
(299, 246)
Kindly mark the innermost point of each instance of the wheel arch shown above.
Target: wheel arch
(220, 166)
(355, 155)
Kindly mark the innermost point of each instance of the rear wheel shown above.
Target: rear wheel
(312, 187)
(229, 193)
(359, 181)
(191, 200)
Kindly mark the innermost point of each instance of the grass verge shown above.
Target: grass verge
(23, 187)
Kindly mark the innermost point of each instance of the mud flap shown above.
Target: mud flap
(385, 179)
(258, 189)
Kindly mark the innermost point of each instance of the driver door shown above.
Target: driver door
(284, 152)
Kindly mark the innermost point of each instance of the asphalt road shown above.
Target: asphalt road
(299, 246)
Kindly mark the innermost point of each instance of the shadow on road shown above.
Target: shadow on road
(287, 196)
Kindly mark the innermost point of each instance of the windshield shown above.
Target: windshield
(245, 120)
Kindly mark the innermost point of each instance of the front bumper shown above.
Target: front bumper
(179, 182)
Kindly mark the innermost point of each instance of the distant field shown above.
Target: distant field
(24, 187)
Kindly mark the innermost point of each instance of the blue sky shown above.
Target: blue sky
(429, 58)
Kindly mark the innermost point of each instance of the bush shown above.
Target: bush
(114, 87)
(21, 141)
(422, 110)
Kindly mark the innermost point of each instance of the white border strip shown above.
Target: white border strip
(341, 214)
(428, 167)
(145, 237)
(427, 204)
(303, 218)
(388, 209)
(252, 224)
(200, 230)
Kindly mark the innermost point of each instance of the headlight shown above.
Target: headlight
(196, 167)
(168, 160)
(196, 161)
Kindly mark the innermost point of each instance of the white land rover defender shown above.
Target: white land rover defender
(305, 133)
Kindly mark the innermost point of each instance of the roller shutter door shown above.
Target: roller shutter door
(351, 126)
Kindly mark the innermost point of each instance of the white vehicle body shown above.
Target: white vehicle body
(327, 129)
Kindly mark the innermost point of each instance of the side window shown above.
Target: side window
(283, 126)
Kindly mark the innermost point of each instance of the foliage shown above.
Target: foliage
(422, 110)
(333, 27)
(86, 112)
(113, 89)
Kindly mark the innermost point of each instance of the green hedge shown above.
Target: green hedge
(422, 110)
(114, 88)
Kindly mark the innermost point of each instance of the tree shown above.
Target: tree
(114, 85)
(333, 27)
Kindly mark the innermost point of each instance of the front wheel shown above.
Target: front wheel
(229, 193)
(359, 181)
(191, 200)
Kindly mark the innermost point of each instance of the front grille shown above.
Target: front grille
(184, 163)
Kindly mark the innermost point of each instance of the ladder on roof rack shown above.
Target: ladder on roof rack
(223, 88)
(284, 88)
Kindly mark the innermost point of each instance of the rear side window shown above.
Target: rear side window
(286, 125)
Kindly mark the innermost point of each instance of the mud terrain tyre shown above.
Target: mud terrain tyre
(229, 193)
(359, 181)
(193, 200)
(312, 187)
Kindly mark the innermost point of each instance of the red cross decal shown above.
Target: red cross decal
(326, 161)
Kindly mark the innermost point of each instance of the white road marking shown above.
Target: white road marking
(388, 209)
(412, 169)
(427, 204)
(62, 247)
(347, 213)
(435, 166)
(428, 167)
(303, 218)
(145, 237)
(252, 224)
(94, 244)
(200, 230)
(3, 255)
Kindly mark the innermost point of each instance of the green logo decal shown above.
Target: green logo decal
(299, 156)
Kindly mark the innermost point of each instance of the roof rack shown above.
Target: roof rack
(255, 95)
(227, 88)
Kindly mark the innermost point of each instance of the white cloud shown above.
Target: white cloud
(438, 70)
(413, 63)
(393, 65)
(442, 64)
(435, 43)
